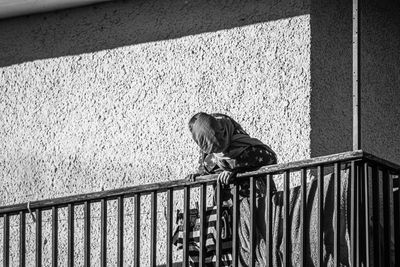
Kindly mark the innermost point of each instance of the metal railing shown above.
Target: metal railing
(374, 215)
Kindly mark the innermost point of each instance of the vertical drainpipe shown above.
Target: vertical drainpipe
(355, 171)
(356, 79)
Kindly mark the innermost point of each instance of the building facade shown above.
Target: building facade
(98, 97)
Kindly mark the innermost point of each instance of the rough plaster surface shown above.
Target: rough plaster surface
(331, 78)
(116, 117)
(98, 98)
(90, 101)
(381, 80)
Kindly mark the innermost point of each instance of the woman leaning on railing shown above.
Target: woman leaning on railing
(227, 149)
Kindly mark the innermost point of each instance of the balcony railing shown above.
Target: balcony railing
(374, 216)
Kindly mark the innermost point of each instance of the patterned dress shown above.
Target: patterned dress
(250, 159)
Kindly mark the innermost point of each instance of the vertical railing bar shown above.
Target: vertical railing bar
(169, 227)
(6, 240)
(381, 219)
(186, 224)
(218, 224)
(320, 215)
(359, 205)
(70, 235)
(303, 216)
(252, 221)
(54, 234)
(153, 236)
(103, 235)
(392, 240)
(336, 224)
(367, 203)
(38, 238)
(137, 230)
(376, 207)
(22, 238)
(269, 220)
(286, 232)
(397, 242)
(235, 239)
(353, 213)
(120, 249)
(387, 217)
(391, 220)
(203, 233)
(86, 229)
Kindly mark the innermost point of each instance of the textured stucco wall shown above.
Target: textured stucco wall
(331, 77)
(99, 98)
(380, 79)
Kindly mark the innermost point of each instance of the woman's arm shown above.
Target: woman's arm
(250, 159)
(207, 165)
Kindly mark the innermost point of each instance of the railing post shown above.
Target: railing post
(103, 233)
(120, 249)
(203, 233)
(361, 255)
(38, 238)
(336, 223)
(86, 232)
(303, 201)
(70, 235)
(169, 227)
(376, 217)
(387, 216)
(218, 244)
(54, 236)
(186, 224)
(398, 220)
(6, 241)
(153, 237)
(369, 253)
(22, 238)
(269, 235)
(320, 216)
(353, 215)
(286, 232)
(252, 222)
(137, 230)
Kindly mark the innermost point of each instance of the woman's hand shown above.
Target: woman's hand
(192, 177)
(226, 177)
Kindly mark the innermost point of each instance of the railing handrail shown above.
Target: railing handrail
(177, 184)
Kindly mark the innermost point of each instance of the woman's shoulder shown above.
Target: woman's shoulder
(220, 116)
(237, 127)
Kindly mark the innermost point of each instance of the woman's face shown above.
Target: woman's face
(208, 144)
(211, 143)
(218, 145)
(210, 136)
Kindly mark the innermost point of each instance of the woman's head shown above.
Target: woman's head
(209, 133)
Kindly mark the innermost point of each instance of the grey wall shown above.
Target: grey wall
(331, 77)
(99, 97)
(380, 79)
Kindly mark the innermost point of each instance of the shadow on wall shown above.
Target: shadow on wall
(380, 77)
(331, 77)
(117, 24)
